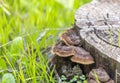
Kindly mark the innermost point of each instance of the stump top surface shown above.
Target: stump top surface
(99, 25)
(98, 13)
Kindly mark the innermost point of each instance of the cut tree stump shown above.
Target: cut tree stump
(98, 24)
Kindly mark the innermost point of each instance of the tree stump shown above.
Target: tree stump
(98, 25)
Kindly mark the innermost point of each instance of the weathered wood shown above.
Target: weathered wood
(97, 13)
(98, 24)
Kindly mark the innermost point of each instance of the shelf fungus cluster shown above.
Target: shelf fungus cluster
(99, 75)
(69, 46)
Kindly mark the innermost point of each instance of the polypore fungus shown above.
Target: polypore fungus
(62, 50)
(70, 37)
(99, 73)
(81, 56)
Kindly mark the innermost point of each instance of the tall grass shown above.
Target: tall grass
(21, 24)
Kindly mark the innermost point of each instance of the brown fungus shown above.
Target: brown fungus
(62, 50)
(70, 37)
(99, 73)
(81, 56)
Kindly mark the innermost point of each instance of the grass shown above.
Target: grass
(96, 77)
(26, 27)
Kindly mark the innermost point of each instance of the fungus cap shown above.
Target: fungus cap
(81, 56)
(62, 50)
(70, 37)
(101, 74)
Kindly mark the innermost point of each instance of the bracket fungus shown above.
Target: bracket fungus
(69, 46)
(62, 50)
(70, 37)
(81, 56)
(101, 74)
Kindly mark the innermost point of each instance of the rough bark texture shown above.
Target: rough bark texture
(98, 24)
